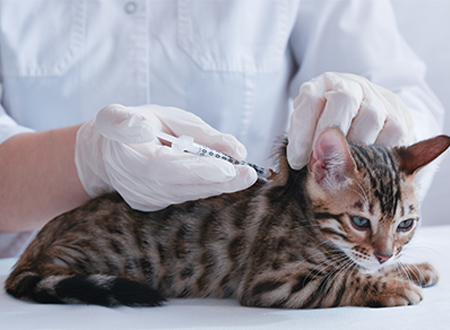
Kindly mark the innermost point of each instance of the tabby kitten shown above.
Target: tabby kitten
(327, 235)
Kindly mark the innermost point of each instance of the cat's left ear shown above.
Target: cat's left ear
(331, 161)
(416, 156)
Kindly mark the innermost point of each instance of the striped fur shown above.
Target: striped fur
(285, 243)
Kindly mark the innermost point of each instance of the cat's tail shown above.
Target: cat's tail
(99, 289)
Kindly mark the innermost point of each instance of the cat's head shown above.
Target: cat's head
(365, 197)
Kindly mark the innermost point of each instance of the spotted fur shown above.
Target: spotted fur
(288, 243)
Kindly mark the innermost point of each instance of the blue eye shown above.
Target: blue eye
(406, 225)
(361, 223)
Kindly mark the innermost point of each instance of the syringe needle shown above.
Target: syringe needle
(187, 144)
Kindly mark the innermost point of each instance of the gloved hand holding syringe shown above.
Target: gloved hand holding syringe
(128, 150)
(187, 144)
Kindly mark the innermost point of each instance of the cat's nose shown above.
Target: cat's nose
(382, 258)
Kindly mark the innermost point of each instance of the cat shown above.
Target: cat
(327, 235)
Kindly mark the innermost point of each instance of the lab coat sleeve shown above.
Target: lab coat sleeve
(361, 37)
(8, 126)
(11, 244)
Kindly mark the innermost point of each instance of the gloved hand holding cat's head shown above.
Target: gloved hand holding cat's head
(366, 113)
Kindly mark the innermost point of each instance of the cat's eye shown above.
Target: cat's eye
(361, 223)
(406, 225)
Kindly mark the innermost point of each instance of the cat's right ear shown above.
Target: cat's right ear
(331, 161)
(418, 155)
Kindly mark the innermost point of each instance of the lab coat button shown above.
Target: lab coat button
(130, 7)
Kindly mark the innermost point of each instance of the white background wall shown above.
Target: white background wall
(425, 24)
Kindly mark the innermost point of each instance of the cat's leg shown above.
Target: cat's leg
(422, 274)
(295, 290)
(332, 289)
(388, 292)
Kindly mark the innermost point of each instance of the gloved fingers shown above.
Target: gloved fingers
(180, 192)
(398, 129)
(161, 196)
(368, 123)
(392, 134)
(342, 105)
(245, 177)
(366, 113)
(172, 167)
(127, 125)
(331, 102)
(142, 200)
(308, 108)
(163, 165)
(113, 153)
(181, 122)
(140, 124)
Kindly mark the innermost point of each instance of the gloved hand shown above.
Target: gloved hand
(365, 112)
(118, 151)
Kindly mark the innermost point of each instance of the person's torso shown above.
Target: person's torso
(227, 61)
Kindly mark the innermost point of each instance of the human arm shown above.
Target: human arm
(42, 178)
(39, 178)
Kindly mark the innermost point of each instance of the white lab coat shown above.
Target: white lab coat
(237, 64)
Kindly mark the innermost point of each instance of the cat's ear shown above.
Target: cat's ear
(331, 161)
(421, 153)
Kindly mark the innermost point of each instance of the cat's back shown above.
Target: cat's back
(107, 236)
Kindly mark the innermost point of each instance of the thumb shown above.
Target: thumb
(120, 124)
(297, 154)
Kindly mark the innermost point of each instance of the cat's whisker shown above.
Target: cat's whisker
(312, 257)
(402, 274)
(365, 198)
(403, 270)
(411, 253)
(326, 265)
(421, 276)
(428, 247)
(334, 273)
(349, 265)
(311, 226)
(409, 273)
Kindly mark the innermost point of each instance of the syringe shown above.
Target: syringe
(187, 144)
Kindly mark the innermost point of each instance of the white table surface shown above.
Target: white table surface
(431, 243)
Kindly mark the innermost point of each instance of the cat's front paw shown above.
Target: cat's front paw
(396, 292)
(423, 274)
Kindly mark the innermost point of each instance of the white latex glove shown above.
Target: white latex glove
(118, 151)
(365, 112)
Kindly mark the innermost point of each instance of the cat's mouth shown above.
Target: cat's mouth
(369, 264)
(365, 261)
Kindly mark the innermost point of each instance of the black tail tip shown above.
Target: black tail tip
(111, 292)
(103, 290)
(131, 293)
